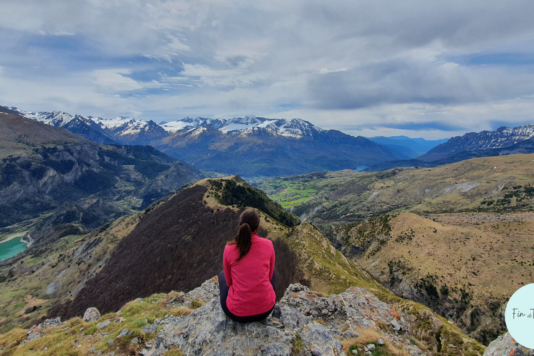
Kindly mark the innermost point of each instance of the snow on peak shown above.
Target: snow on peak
(245, 125)
(55, 118)
(123, 125)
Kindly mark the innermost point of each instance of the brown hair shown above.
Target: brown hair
(248, 222)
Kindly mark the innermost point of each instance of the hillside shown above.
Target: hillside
(47, 179)
(102, 268)
(492, 184)
(455, 238)
(19, 135)
(465, 266)
(50, 177)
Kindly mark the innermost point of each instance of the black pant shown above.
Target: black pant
(223, 290)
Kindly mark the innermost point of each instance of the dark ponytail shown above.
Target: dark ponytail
(248, 222)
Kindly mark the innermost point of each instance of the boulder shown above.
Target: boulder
(504, 345)
(91, 314)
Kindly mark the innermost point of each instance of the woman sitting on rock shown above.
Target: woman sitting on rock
(248, 282)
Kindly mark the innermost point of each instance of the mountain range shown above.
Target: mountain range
(503, 141)
(250, 146)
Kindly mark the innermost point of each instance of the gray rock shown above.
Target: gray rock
(53, 287)
(135, 341)
(370, 347)
(150, 329)
(91, 314)
(504, 345)
(103, 324)
(320, 341)
(380, 342)
(111, 342)
(124, 332)
(51, 322)
(34, 336)
(207, 330)
(349, 334)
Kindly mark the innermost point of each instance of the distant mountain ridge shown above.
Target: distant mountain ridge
(249, 146)
(502, 137)
(122, 129)
(503, 141)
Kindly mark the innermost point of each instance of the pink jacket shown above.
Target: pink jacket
(250, 290)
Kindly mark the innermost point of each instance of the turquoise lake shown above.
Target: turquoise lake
(11, 248)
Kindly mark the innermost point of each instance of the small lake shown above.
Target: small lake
(11, 248)
(360, 168)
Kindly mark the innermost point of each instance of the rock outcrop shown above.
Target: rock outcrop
(305, 323)
(505, 345)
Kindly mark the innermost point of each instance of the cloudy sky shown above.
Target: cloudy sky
(419, 68)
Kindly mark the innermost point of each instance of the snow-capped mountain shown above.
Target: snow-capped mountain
(81, 125)
(282, 127)
(500, 138)
(130, 130)
(249, 146)
(125, 130)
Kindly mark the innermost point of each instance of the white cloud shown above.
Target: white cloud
(326, 71)
(367, 65)
(114, 80)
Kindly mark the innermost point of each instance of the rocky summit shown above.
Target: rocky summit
(304, 322)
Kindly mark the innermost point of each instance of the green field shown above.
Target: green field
(290, 194)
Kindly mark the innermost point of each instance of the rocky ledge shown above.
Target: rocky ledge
(303, 323)
(505, 345)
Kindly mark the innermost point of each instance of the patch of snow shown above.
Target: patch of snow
(198, 131)
(174, 126)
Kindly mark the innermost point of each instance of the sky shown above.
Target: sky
(419, 68)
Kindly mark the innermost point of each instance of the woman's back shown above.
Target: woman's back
(248, 278)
